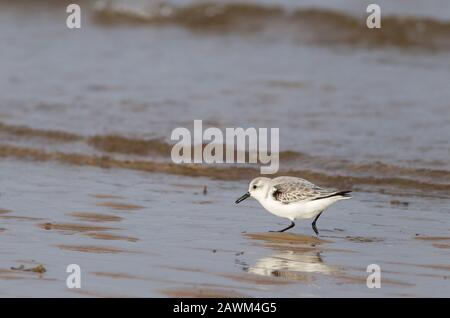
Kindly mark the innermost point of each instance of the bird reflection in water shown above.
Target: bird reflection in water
(296, 258)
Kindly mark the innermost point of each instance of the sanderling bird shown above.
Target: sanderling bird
(293, 198)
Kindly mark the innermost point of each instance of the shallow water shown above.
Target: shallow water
(395, 100)
(85, 123)
(137, 234)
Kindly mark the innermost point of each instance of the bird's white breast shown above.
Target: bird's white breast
(297, 210)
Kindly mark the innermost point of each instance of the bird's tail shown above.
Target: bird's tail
(338, 195)
(344, 194)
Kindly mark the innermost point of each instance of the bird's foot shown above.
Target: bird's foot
(286, 228)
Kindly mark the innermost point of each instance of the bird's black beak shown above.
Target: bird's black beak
(245, 196)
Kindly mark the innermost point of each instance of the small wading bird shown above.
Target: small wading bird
(293, 198)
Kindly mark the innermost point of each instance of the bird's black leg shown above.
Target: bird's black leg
(314, 224)
(287, 228)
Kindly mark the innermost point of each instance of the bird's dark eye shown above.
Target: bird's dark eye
(254, 187)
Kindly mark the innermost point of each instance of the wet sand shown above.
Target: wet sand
(132, 241)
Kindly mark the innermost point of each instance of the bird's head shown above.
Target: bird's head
(257, 189)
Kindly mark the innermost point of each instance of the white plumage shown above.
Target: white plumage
(293, 198)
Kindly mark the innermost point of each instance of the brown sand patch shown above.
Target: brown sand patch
(8, 274)
(118, 275)
(11, 277)
(107, 196)
(441, 245)
(185, 269)
(18, 277)
(203, 293)
(73, 227)
(93, 249)
(18, 274)
(120, 144)
(4, 211)
(120, 206)
(435, 276)
(113, 237)
(430, 266)
(95, 217)
(5, 271)
(20, 218)
(288, 238)
(27, 132)
(436, 266)
(433, 238)
(363, 239)
(260, 280)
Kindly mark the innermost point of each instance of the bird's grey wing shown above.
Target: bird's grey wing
(295, 190)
